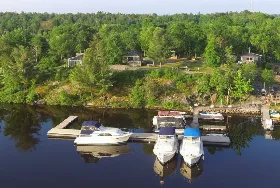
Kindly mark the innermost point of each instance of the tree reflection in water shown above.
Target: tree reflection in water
(241, 132)
(22, 124)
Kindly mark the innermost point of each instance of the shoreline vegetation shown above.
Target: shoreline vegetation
(35, 48)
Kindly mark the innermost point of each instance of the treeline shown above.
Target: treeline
(34, 47)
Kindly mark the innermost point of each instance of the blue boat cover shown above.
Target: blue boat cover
(194, 132)
(91, 123)
(167, 131)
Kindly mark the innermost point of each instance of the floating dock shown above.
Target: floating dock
(66, 122)
(59, 132)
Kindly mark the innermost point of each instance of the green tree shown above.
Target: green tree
(94, 72)
(219, 82)
(145, 37)
(62, 41)
(211, 55)
(241, 86)
(268, 77)
(203, 87)
(230, 58)
(159, 49)
(137, 95)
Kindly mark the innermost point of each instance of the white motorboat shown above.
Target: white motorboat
(192, 147)
(166, 145)
(93, 133)
(211, 116)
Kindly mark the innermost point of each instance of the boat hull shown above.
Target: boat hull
(164, 158)
(102, 140)
(192, 160)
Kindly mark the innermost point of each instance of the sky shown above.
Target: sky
(139, 6)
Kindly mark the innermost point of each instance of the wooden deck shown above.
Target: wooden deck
(59, 132)
(139, 137)
(66, 122)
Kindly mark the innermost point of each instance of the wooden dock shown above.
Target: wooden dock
(66, 122)
(71, 134)
(59, 132)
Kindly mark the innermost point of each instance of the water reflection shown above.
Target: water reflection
(92, 154)
(167, 169)
(191, 172)
(22, 124)
(242, 130)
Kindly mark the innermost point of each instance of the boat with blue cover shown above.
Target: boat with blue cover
(192, 147)
(93, 133)
(274, 114)
(166, 145)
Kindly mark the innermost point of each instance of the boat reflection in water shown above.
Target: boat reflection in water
(164, 170)
(92, 154)
(191, 172)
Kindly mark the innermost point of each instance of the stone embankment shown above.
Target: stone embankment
(244, 110)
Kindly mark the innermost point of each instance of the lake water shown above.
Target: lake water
(29, 159)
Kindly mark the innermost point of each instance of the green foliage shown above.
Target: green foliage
(159, 49)
(203, 86)
(268, 77)
(241, 86)
(230, 58)
(211, 55)
(250, 71)
(137, 95)
(65, 98)
(219, 82)
(94, 72)
(171, 105)
(35, 46)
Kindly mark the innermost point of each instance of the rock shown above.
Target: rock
(40, 102)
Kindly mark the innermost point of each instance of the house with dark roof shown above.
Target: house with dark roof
(133, 58)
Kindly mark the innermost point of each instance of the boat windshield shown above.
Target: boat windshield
(166, 136)
(193, 139)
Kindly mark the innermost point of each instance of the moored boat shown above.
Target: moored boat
(274, 114)
(93, 133)
(166, 145)
(169, 119)
(192, 147)
(211, 116)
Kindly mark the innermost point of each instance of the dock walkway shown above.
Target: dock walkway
(66, 122)
(59, 132)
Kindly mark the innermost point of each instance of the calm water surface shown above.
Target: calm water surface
(29, 159)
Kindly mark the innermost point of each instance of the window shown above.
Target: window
(104, 134)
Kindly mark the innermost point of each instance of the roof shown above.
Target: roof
(251, 54)
(194, 132)
(167, 131)
(91, 123)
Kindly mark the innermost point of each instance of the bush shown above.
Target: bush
(137, 95)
